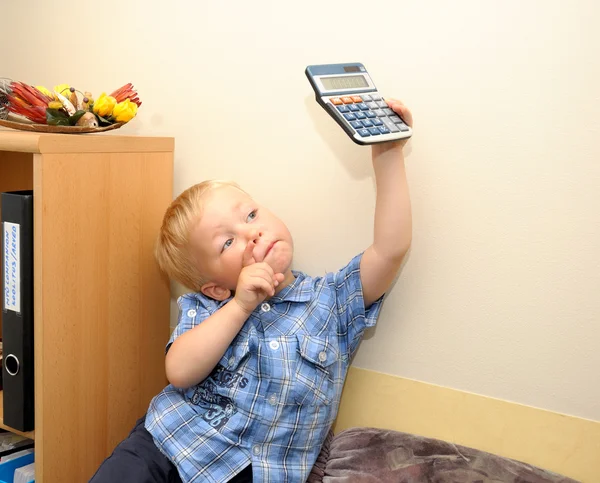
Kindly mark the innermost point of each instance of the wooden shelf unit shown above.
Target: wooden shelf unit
(101, 307)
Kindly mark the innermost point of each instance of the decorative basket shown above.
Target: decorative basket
(25, 126)
(64, 109)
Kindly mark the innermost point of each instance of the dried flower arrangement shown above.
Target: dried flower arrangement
(65, 109)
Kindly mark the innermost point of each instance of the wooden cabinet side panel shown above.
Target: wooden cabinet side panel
(104, 305)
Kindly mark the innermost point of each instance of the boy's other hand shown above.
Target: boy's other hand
(256, 282)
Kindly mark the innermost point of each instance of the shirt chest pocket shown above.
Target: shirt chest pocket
(317, 362)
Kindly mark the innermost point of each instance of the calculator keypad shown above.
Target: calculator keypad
(369, 115)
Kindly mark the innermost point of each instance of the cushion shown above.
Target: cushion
(370, 455)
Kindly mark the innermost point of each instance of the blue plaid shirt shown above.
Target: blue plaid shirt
(274, 394)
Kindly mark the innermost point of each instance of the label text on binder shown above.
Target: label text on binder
(12, 264)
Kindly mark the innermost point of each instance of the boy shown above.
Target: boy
(258, 359)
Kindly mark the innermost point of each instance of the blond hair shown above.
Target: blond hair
(172, 251)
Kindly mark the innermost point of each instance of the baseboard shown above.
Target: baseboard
(564, 444)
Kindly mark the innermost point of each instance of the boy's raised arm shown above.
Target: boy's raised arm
(393, 220)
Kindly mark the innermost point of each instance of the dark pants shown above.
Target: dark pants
(137, 460)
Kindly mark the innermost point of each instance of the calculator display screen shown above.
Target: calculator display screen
(344, 82)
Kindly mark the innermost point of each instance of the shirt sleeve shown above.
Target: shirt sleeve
(193, 309)
(353, 316)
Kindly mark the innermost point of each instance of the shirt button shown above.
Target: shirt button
(274, 345)
(265, 307)
(191, 313)
(273, 399)
(256, 449)
(322, 356)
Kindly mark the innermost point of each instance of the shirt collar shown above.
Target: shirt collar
(300, 290)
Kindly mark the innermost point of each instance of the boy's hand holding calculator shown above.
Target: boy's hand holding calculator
(348, 94)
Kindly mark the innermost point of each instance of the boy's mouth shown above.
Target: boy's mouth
(269, 248)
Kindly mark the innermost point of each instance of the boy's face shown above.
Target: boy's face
(231, 220)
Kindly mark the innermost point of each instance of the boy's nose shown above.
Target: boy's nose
(255, 234)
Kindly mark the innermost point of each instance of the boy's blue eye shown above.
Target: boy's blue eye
(228, 243)
(251, 216)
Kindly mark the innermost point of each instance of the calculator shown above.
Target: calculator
(348, 94)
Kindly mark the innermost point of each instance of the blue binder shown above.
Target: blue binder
(7, 469)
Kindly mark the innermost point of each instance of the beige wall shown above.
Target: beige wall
(499, 295)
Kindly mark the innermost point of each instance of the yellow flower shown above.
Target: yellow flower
(124, 111)
(46, 92)
(55, 105)
(62, 89)
(104, 105)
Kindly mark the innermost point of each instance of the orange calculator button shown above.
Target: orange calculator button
(347, 100)
(336, 100)
(357, 98)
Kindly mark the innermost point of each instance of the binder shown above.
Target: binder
(17, 309)
(7, 469)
